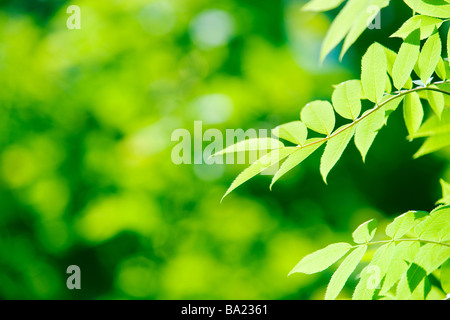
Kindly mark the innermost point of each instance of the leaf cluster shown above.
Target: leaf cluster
(386, 82)
(402, 267)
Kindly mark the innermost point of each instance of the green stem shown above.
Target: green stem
(403, 240)
(377, 107)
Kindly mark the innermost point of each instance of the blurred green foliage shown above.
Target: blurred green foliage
(85, 143)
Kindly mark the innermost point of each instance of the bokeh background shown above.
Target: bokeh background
(86, 176)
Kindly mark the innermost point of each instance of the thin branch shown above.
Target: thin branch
(403, 240)
(379, 106)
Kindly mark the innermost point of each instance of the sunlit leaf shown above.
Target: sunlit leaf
(319, 116)
(346, 99)
(404, 253)
(374, 273)
(429, 57)
(344, 271)
(433, 144)
(321, 5)
(435, 126)
(436, 100)
(412, 113)
(365, 232)
(321, 259)
(434, 8)
(341, 25)
(295, 132)
(425, 23)
(334, 149)
(297, 157)
(252, 145)
(362, 22)
(406, 59)
(445, 193)
(441, 69)
(260, 165)
(436, 226)
(367, 129)
(373, 74)
(404, 223)
(445, 276)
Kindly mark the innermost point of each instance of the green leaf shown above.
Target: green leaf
(425, 23)
(373, 73)
(388, 88)
(441, 69)
(392, 105)
(429, 57)
(374, 273)
(319, 116)
(436, 227)
(445, 276)
(341, 25)
(448, 45)
(367, 129)
(436, 100)
(406, 59)
(252, 145)
(403, 253)
(431, 256)
(420, 290)
(334, 149)
(433, 144)
(297, 157)
(404, 223)
(344, 271)
(346, 99)
(412, 112)
(321, 259)
(365, 232)
(295, 132)
(445, 192)
(434, 8)
(321, 5)
(362, 22)
(391, 57)
(428, 259)
(435, 126)
(260, 165)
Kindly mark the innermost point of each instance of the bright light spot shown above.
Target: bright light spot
(212, 28)
(212, 108)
